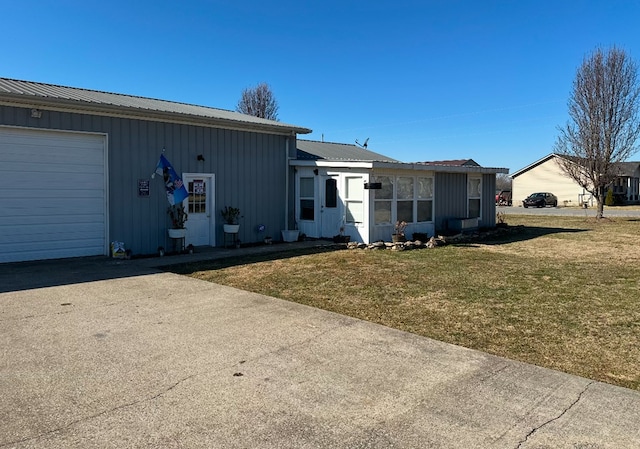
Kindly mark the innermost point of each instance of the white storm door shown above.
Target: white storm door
(330, 206)
(200, 209)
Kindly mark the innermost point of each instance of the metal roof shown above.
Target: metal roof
(453, 163)
(33, 94)
(313, 150)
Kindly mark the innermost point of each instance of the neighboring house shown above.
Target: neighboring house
(76, 167)
(546, 175)
(340, 187)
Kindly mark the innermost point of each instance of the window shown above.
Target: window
(197, 203)
(474, 192)
(331, 193)
(404, 196)
(424, 189)
(354, 190)
(307, 202)
(383, 198)
(412, 200)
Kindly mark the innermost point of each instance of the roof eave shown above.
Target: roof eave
(396, 166)
(64, 105)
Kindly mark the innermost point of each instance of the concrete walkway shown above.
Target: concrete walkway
(116, 354)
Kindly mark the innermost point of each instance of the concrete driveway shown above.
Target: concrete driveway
(115, 354)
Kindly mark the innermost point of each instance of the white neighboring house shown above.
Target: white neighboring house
(341, 188)
(546, 175)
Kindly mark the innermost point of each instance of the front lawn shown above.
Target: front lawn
(563, 292)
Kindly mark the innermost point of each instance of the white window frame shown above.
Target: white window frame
(394, 198)
(473, 195)
(351, 199)
(305, 198)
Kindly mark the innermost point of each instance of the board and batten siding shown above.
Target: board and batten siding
(450, 196)
(546, 177)
(488, 206)
(451, 199)
(249, 168)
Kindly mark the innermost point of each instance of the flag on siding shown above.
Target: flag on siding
(176, 191)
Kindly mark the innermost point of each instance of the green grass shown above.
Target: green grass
(561, 292)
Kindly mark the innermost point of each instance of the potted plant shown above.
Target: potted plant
(230, 216)
(178, 217)
(398, 234)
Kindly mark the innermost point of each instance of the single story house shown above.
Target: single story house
(342, 188)
(77, 169)
(546, 175)
(76, 166)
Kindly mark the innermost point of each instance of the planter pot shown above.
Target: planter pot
(398, 238)
(231, 228)
(290, 236)
(177, 233)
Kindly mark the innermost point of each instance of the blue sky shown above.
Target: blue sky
(423, 80)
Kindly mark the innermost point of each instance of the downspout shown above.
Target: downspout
(286, 188)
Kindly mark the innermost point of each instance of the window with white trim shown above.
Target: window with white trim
(405, 198)
(307, 198)
(354, 194)
(474, 195)
(424, 188)
(383, 198)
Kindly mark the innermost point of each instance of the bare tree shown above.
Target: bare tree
(603, 125)
(259, 102)
(503, 181)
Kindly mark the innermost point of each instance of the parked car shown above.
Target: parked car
(540, 199)
(503, 198)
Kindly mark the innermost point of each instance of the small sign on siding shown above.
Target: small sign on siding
(143, 188)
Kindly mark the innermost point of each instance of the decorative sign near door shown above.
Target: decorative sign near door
(143, 188)
(198, 186)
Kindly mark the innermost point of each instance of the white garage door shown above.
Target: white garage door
(53, 194)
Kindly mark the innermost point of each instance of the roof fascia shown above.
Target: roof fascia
(536, 163)
(398, 166)
(330, 164)
(62, 105)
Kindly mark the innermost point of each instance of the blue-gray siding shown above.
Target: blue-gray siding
(450, 196)
(451, 199)
(249, 171)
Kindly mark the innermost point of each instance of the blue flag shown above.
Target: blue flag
(176, 191)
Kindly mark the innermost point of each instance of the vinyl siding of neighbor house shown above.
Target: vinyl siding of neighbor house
(249, 167)
(546, 177)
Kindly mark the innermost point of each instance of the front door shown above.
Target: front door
(199, 205)
(330, 207)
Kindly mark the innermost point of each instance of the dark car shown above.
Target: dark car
(540, 199)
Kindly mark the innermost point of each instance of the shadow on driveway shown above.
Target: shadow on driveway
(50, 273)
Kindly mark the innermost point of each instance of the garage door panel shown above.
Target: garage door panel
(36, 168)
(37, 235)
(35, 194)
(54, 202)
(50, 208)
(27, 219)
(52, 180)
(41, 252)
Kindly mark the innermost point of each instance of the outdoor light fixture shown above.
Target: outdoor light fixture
(201, 157)
(36, 113)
